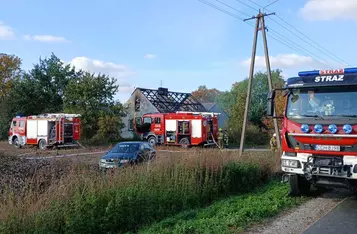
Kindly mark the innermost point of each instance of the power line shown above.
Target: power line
(295, 44)
(294, 47)
(340, 60)
(233, 8)
(270, 4)
(317, 44)
(260, 6)
(247, 5)
(220, 9)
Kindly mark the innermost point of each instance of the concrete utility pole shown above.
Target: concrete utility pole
(259, 21)
(251, 73)
(267, 62)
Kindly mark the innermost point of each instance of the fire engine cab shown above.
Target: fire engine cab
(47, 130)
(179, 128)
(319, 135)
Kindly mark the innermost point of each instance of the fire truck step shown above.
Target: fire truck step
(208, 144)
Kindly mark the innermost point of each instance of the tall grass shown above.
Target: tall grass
(124, 200)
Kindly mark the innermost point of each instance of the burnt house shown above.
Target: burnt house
(216, 108)
(143, 101)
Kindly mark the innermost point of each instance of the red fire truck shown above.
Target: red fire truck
(47, 130)
(180, 128)
(319, 135)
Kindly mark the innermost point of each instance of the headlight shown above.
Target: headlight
(305, 128)
(103, 160)
(347, 128)
(332, 128)
(318, 128)
(290, 154)
(290, 163)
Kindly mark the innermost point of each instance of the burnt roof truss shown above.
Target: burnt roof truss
(173, 101)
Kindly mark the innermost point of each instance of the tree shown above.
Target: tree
(92, 96)
(227, 99)
(10, 70)
(259, 94)
(236, 119)
(279, 105)
(203, 94)
(41, 89)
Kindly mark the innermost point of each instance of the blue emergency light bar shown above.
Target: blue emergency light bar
(324, 78)
(328, 72)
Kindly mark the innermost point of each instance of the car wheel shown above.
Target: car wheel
(153, 156)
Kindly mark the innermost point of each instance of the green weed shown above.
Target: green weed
(231, 215)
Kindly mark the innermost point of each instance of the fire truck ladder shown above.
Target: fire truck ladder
(199, 113)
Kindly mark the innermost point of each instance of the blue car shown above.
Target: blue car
(127, 153)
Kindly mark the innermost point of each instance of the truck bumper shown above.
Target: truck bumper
(10, 140)
(308, 165)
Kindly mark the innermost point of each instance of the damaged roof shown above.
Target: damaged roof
(167, 101)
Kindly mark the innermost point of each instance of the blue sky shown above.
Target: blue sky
(182, 43)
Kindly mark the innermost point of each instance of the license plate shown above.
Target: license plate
(328, 147)
(124, 161)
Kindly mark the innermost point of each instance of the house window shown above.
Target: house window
(131, 125)
(138, 121)
(137, 104)
(157, 120)
(147, 120)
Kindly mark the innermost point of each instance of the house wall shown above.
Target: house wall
(223, 117)
(145, 107)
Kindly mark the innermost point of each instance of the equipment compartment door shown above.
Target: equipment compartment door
(170, 132)
(184, 127)
(196, 128)
(60, 130)
(31, 132)
(76, 129)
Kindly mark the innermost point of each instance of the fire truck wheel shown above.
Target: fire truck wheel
(42, 144)
(152, 140)
(16, 143)
(185, 142)
(299, 186)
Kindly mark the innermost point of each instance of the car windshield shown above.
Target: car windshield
(126, 148)
(335, 102)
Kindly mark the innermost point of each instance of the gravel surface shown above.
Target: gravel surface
(297, 220)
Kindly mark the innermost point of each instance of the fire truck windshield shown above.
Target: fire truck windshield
(333, 102)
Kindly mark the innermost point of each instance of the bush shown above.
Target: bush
(138, 196)
(254, 136)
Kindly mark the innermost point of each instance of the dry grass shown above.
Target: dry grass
(176, 180)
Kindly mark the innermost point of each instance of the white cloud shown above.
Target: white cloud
(150, 56)
(283, 61)
(45, 38)
(120, 71)
(6, 32)
(329, 9)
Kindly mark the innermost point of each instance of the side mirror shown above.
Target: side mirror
(270, 104)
